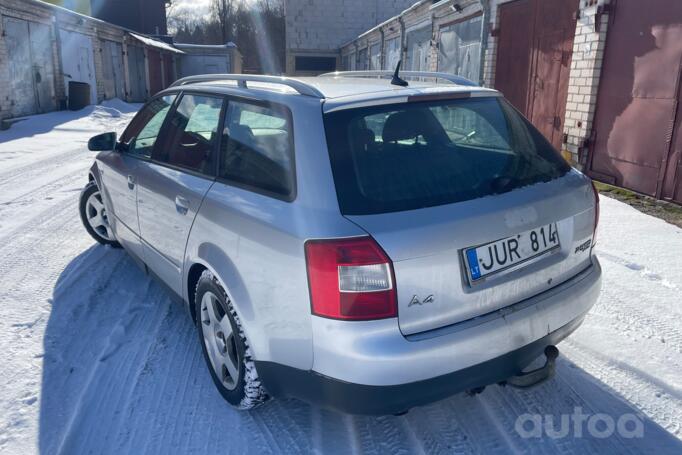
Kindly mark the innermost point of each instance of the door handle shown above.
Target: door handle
(181, 205)
(131, 182)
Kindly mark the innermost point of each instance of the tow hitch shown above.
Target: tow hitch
(539, 375)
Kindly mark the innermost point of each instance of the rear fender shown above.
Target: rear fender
(221, 266)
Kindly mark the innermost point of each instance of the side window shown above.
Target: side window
(141, 134)
(191, 134)
(257, 148)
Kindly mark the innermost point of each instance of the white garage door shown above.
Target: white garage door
(459, 51)
(193, 65)
(78, 60)
(30, 65)
(418, 44)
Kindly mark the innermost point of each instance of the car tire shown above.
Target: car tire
(225, 347)
(94, 217)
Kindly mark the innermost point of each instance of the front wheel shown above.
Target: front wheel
(94, 216)
(225, 347)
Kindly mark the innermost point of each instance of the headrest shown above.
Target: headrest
(242, 133)
(400, 126)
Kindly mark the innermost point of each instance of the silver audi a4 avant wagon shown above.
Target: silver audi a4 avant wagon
(364, 242)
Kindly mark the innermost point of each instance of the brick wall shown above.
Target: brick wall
(588, 54)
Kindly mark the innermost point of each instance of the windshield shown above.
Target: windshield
(407, 156)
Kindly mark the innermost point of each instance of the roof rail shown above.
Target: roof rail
(242, 80)
(457, 80)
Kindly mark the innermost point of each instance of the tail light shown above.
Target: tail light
(596, 213)
(350, 279)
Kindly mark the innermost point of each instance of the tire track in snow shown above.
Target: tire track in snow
(30, 269)
(38, 226)
(643, 270)
(38, 168)
(645, 318)
(438, 429)
(47, 189)
(115, 370)
(662, 403)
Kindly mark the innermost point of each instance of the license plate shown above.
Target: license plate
(494, 257)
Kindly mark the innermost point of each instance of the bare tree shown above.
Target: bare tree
(224, 12)
(257, 27)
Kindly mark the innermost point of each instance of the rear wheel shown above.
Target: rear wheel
(94, 216)
(225, 347)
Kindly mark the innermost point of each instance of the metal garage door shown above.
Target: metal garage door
(204, 64)
(393, 53)
(112, 62)
(78, 60)
(155, 75)
(168, 70)
(137, 74)
(31, 66)
(637, 133)
(459, 49)
(418, 43)
(534, 59)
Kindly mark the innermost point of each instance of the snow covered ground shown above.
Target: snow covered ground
(95, 358)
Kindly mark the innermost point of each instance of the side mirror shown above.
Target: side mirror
(102, 142)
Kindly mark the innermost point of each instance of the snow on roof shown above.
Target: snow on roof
(205, 46)
(154, 43)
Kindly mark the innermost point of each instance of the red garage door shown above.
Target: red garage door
(637, 139)
(155, 77)
(168, 70)
(535, 43)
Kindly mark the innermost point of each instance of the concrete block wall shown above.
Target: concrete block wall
(321, 27)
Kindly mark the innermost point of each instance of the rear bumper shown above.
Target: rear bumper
(283, 381)
(371, 368)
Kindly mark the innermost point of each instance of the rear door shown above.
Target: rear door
(173, 184)
(474, 207)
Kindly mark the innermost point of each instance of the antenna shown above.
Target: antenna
(396, 77)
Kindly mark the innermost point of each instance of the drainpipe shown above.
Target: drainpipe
(382, 52)
(485, 25)
(403, 40)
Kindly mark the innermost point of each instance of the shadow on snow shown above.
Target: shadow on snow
(123, 372)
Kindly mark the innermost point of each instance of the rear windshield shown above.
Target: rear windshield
(408, 156)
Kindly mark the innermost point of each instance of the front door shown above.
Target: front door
(173, 184)
(120, 171)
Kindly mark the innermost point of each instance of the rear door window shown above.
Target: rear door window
(421, 154)
(191, 134)
(257, 149)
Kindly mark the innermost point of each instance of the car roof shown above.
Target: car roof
(335, 91)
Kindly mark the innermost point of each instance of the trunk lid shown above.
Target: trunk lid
(427, 249)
